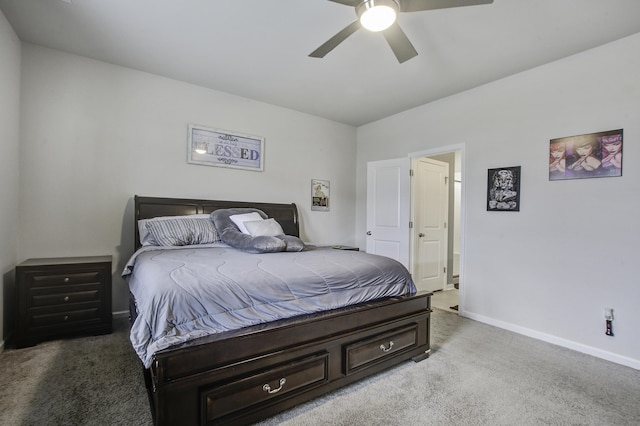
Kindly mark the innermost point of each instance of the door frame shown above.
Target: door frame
(438, 151)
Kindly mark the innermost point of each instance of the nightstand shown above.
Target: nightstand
(339, 247)
(60, 297)
(336, 247)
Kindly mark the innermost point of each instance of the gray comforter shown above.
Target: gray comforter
(183, 293)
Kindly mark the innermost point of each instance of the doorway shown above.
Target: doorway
(430, 223)
(446, 297)
(390, 208)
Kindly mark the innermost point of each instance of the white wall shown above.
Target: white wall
(94, 134)
(549, 270)
(9, 143)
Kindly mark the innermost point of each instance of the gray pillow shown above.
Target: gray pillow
(230, 234)
(293, 243)
(177, 231)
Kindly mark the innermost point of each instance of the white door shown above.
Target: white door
(430, 235)
(388, 191)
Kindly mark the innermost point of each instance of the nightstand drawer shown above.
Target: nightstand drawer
(66, 297)
(67, 317)
(40, 279)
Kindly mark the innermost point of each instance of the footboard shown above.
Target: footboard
(246, 375)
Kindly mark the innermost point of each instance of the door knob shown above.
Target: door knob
(368, 232)
(421, 235)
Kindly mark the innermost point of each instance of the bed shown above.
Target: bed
(240, 374)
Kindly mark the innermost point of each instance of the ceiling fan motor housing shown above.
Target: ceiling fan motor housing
(370, 4)
(374, 7)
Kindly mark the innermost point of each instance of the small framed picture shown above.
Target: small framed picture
(319, 195)
(503, 189)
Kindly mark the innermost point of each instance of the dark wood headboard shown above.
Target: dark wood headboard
(148, 207)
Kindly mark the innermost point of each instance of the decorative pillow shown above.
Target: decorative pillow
(240, 219)
(146, 239)
(178, 231)
(265, 227)
(230, 234)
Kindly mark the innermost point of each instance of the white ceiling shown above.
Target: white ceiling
(258, 48)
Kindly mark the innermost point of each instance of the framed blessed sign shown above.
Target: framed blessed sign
(212, 147)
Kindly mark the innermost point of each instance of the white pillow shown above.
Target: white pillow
(240, 219)
(267, 228)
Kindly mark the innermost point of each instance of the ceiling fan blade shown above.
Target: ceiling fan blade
(330, 44)
(419, 5)
(347, 2)
(399, 43)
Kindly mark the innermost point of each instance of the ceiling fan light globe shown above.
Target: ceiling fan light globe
(377, 15)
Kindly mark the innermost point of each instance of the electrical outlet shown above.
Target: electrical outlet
(608, 316)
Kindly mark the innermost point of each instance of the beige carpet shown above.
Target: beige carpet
(476, 375)
(83, 381)
(445, 299)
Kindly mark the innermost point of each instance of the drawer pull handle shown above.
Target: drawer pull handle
(383, 349)
(66, 298)
(66, 317)
(267, 388)
(66, 279)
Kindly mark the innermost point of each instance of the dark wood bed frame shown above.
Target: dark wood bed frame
(242, 376)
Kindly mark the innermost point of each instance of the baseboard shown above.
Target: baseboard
(589, 350)
(8, 338)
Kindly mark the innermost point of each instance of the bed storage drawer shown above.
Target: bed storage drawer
(373, 349)
(265, 387)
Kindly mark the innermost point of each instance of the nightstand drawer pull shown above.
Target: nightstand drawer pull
(66, 298)
(267, 388)
(66, 279)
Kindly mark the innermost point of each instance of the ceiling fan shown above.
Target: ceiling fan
(380, 15)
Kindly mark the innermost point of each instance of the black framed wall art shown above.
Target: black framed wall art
(503, 189)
